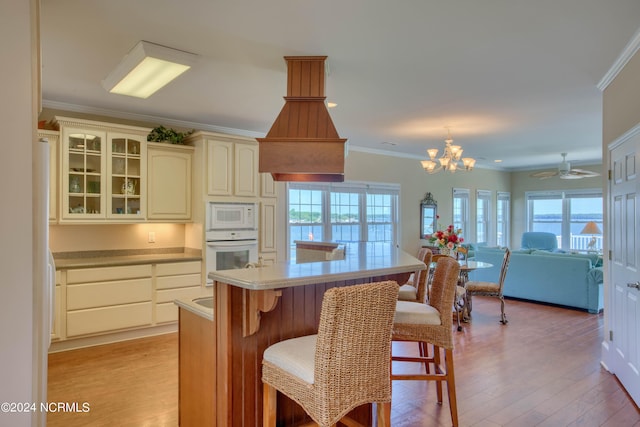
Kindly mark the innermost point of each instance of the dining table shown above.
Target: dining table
(466, 266)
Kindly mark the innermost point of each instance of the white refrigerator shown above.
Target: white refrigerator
(44, 276)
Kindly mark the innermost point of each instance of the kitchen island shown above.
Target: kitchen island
(256, 307)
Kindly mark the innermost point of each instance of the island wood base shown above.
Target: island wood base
(197, 361)
(238, 394)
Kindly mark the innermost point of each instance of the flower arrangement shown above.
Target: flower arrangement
(449, 238)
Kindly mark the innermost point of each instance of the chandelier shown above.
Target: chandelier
(450, 161)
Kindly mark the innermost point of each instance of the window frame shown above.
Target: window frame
(565, 197)
(503, 211)
(363, 189)
(464, 196)
(483, 200)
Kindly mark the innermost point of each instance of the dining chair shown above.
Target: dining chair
(345, 365)
(460, 299)
(431, 323)
(490, 289)
(416, 288)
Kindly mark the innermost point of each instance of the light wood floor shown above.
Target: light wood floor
(542, 369)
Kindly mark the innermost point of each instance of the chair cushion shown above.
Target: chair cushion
(407, 293)
(482, 287)
(416, 313)
(460, 291)
(295, 356)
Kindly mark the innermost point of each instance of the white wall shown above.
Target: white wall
(18, 122)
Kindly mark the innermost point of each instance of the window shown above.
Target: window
(483, 216)
(461, 210)
(342, 212)
(503, 211)
(565, 213)
(306, 214)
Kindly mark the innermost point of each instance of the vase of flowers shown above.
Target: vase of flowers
(447, 240)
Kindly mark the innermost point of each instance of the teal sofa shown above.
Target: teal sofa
(566, 279)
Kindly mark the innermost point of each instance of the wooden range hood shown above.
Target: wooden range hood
(303, 144)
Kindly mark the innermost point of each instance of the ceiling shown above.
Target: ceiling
(513, 80)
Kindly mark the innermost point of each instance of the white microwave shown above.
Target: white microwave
(231, 216)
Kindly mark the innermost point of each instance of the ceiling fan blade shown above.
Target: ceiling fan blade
(571, 176)
(544, 174)
(584, 173)
(579, 174)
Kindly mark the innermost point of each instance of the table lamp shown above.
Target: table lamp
(591, 228)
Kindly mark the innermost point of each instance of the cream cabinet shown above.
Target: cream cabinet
(219, 168)
(169, 181)
(107, 299)
(52, 137)
(83, 172)
(173, 281)
(103, 171)
(232, 168)
(56, 326)
(267, 185)
(268, 218)
(126, 175)
(245, 170)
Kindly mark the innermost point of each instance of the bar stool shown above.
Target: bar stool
(345, 365)
(432, 323)
(416, 290)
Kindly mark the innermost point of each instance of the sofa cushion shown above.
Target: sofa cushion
(591, 257)
(539, 240)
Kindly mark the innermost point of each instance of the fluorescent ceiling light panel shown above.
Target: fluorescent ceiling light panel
(147, 68)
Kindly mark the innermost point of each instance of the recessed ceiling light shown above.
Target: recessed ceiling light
(497, 161)
(331, 104)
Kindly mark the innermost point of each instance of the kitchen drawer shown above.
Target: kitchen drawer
(103, 274)
(104, 319)
(169, 295)
(182, 281)
(102, 294)
(174, 268)
(166, 312)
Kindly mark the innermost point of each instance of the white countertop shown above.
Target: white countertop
(362, 260)
(192, 305)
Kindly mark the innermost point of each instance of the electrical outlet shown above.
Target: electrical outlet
(152, 237)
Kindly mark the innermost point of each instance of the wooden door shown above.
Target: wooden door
(624, 289)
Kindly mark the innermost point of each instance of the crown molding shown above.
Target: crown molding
(627, 53)
(148, 118)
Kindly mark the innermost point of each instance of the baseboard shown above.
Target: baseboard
(75, 343)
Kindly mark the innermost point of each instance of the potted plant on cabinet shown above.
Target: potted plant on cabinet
(171, 136)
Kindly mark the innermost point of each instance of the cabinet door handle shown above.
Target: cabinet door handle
(634, 285)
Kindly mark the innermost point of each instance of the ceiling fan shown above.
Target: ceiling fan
(564, 171)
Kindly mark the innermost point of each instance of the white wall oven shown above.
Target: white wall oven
(232, 236)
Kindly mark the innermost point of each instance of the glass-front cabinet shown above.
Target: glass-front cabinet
(103, 173)
(83, 164)
(126, 171)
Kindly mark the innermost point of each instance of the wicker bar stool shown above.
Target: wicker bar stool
(416, 290)
(461, 293)
(432, 323)
(342, 367)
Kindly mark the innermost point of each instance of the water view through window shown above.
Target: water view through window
(349, 212)
(566, 214)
